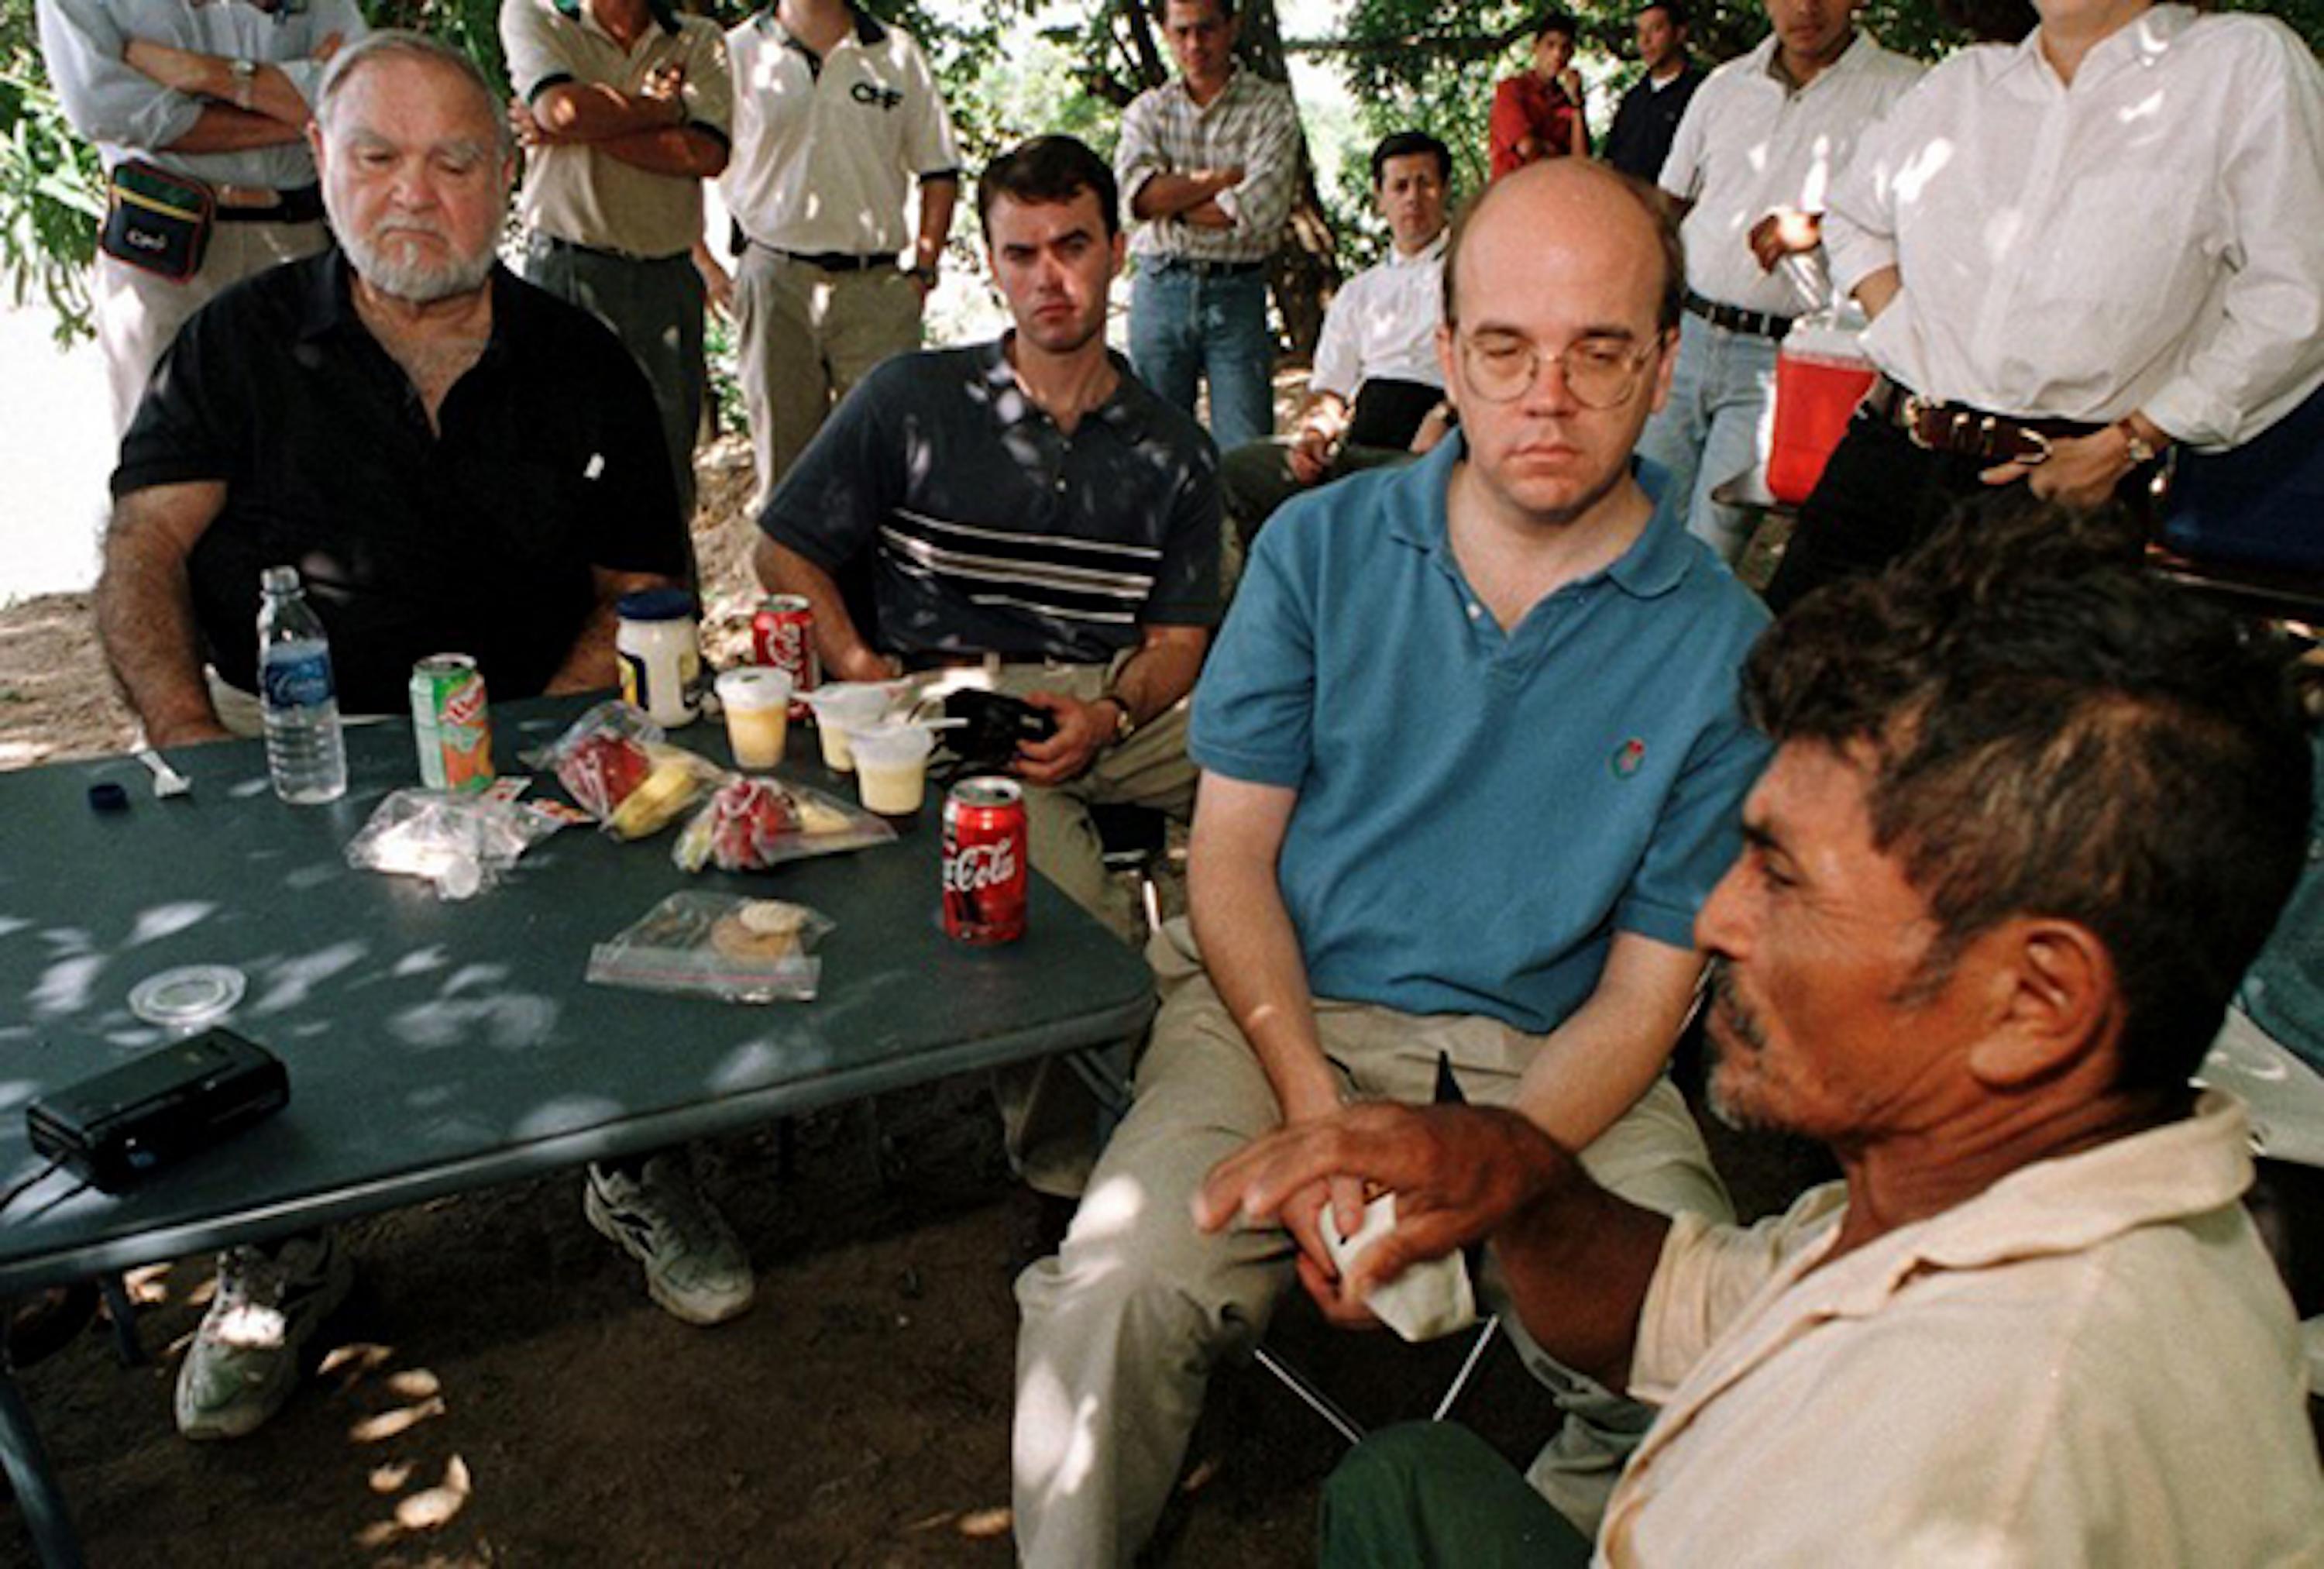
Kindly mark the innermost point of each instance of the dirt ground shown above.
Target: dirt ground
(500, 1392)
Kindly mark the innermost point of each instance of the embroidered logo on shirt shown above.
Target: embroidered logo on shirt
(1629, 758)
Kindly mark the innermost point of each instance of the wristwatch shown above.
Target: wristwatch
(925, 274)
(2140, 449)
(1126, 726)
(244, 72)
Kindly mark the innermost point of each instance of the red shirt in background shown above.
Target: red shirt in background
(1527, 105)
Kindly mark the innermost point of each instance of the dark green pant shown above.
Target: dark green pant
(1430, 1493)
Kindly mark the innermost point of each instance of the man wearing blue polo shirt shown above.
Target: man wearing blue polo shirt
(1471, 760)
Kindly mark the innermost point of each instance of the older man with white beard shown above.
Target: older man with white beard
(454, 460)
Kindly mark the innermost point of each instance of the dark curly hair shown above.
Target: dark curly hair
(2054, 732)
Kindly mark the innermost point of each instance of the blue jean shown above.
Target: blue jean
(1186, 327)
(1718, 424)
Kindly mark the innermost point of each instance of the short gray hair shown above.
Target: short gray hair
(396, 42)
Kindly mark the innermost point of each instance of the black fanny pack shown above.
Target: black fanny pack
(156, 220)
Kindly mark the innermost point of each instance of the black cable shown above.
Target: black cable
(43, 1174)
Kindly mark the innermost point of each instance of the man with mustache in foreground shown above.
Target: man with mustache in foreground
(2030, 817)
(454, 460)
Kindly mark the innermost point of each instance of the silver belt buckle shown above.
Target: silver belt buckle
(1914, 406)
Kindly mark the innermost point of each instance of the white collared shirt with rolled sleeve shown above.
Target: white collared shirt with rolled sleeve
(2150, 237)
(1750, 142)
(1383, 323)
(1253, 123)
(2092, 1361)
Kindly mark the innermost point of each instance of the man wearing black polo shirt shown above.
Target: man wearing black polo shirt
(453, 460)
(1032, 500)
(1647, 121)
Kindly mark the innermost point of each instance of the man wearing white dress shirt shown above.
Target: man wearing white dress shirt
(2078, 251)
(1755, 159)
(1376, 379)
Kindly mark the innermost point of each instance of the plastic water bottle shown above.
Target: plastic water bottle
(305, 753)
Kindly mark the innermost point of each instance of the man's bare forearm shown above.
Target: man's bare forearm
(1596, 1064)
(686, 152)
(1250, 946)
(591, 112)
(1169, 195)
(590, 664)
(222, 128)
(1878, 290)
(1578, 1261)
(145, 612)
(938, 198)
(1162, 672)
(845, 655)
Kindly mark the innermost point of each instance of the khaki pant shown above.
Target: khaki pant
(138, 314)
(1122, 1328)
(1048, 1118)
(805, 337)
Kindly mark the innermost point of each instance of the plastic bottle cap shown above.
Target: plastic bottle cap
(188, 997)
(107, 797)
(655, 604)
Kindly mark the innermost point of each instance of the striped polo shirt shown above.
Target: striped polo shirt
(988, 530)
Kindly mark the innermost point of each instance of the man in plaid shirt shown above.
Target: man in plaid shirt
(1206, 165)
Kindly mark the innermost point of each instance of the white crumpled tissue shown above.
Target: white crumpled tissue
(1425, 1300)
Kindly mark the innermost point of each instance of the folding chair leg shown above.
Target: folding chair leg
(1317, 1401)
(1476, 1349)
(125, 1343)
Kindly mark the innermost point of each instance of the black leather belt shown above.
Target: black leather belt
(1734, 319)
(1966, 432)
(244, 204)
(834, 260)
(1201, 268)
(559, 244)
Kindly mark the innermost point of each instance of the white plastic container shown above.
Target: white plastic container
(841, 707)
(758, 703)
(891, 768)
(660, 656)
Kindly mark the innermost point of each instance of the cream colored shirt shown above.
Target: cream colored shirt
(2092, 1362)
(2150, 237)
(578, 193)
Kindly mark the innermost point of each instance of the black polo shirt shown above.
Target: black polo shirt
(478, 540)
(988, 530)
(1646, 122)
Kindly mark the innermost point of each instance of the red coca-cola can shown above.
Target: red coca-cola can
(984, 871)
(782, 634)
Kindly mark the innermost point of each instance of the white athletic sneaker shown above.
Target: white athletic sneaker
(695, 1265)
(244, 1361)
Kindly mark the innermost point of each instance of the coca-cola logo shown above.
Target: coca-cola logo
(973, 867)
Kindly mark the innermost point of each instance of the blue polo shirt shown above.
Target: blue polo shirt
(1479, 811)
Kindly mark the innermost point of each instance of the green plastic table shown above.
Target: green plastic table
(438, 1045)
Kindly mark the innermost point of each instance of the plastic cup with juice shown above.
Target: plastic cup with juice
(841, 708)
(757, 699)
(891, 767)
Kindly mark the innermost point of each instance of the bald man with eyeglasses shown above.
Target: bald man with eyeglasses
(1471, 760)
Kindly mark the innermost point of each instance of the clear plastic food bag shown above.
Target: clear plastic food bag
(461, 843)
(753, 823)
(616, 765)
(716, 945)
